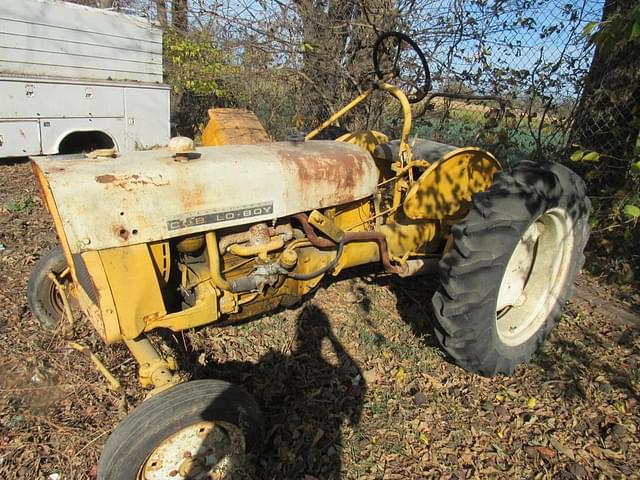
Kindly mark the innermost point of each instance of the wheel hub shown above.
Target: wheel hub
(54, 295)
(534, 277)
(204, 450)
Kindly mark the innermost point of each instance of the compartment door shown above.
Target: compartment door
(19, 138)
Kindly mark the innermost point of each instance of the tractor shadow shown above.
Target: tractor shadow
(305, 400)
(413, 302)
(413, 297)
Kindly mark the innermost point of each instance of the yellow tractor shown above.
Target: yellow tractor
(185, 237)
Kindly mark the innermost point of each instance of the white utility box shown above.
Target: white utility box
(76, 78)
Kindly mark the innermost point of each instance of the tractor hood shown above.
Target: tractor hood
(148, 196)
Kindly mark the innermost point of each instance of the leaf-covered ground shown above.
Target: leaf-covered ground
(351, 384)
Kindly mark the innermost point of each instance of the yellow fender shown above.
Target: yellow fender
(448, 184)
(367, 139)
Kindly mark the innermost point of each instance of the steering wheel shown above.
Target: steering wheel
(397, 58)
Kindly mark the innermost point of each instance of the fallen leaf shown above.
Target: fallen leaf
(619, 406)
(419, 399)
(93, 473)
(318, 436)
(546, 453)
(612, 454)
(563, 449)
(370, 376)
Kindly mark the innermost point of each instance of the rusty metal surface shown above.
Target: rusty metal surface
(336, 174)
(147, 196)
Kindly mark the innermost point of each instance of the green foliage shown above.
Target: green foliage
(193, 63)
(631, 212)
(621, 28)
(585, 156)
(616, 220)
(273, 95)
(509, 140)
(21, 205)
(195, 69)
(307, 47)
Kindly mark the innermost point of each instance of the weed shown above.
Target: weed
(21, 205)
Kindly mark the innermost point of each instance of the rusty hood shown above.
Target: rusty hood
(148, 196)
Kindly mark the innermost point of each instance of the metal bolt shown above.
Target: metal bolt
(520, 300)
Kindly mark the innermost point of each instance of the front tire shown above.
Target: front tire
(202, 427)
(512, 266)
(43, 297)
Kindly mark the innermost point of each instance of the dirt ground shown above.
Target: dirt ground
(351, 384)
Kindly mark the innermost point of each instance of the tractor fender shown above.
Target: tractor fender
(448, 184)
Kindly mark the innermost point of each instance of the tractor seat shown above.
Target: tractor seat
(422, 150)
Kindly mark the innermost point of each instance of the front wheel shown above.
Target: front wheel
(198, 429)
(514, 260)
(43, 296)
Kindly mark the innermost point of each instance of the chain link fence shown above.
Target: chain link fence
(528, 60)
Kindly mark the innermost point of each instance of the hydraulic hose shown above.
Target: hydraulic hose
(326, 268)
(377, 237)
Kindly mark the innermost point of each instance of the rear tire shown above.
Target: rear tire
(512, 266)
(182, 431)
(42, 294)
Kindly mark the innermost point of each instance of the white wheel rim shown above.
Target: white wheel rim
(203, 450)
(535, 277)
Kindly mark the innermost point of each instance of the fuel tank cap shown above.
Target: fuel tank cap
(183, 149)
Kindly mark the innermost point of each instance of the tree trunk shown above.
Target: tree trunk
(179, 15)
(608, 115)
(161, 7)
(338, 36)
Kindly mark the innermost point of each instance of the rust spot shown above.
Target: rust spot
(121, 232)
(126, 182)
(332, 167)
(106, 178)
(193, 198)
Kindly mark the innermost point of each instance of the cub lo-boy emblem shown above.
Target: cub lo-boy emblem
(206, 218)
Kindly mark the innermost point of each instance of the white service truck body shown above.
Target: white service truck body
(75, 78)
